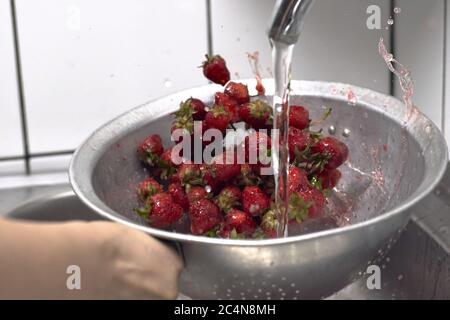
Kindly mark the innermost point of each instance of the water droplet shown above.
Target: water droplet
(167, 83)
(428, 129)
(331, 130)
(208, 189)
(397, 10)
(400, 277)
(346, 132)
(390, 21)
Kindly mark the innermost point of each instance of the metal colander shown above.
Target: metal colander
(392, 166)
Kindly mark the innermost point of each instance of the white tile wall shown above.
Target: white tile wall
(336, 44)
(420, 41)
(10, 134)
(87, 61)
(12, 168)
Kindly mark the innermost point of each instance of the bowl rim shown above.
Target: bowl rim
(85, 158)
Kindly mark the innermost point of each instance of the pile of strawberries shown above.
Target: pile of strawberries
(227, 199)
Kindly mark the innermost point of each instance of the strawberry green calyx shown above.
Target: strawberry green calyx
(150, 158)
(211, 58)
(144, 213)
(269, 220)
(310, 162)
(235, 235)
(298, 208)
(226, 201)
(219, 110)
(184, 117)
(259, 109)
(149, 191)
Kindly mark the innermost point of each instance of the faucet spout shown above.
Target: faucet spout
(287, 20)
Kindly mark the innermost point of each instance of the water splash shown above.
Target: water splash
(253, 60)
(403, 75)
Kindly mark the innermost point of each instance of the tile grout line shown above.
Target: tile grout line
(21, 95)
(444, 71)
(209, 37)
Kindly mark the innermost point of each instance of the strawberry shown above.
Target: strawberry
(176, 190)
(298, 180)
(189, 174)
(238, 92)
(306, 204)
(229, 104)
(256, 114)
(218, 118)
(204, 216)
(161, 211)
(240, 221)
(298, 141)
(335, 150)
(209, 179)
(148, 188)
(298, 117)
(196, 193)
(224, 167)
(215, 69)
(199, 109)
(329, 178)
(254, 201)
(150, 149)
(269, 224)
(228, 198)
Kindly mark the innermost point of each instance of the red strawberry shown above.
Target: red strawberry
(209, 179)
(298, 140)
(215, 69)
(224, 167)
(269, 224)
(240, 221)
(218, 118)
(204, 216)
(254, 201)
(238, 92)
(329, 178)
(198, 107)
(179, 196)
(298, 117)
(196, 193)
(297, 180)
(189, 174)
(150, 149)
(335, 150)
(306, 204)
(228, 198)
(161, 211)
(148, 188)
(256, 114)
(230, 105)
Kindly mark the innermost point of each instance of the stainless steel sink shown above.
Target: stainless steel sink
(416, 267)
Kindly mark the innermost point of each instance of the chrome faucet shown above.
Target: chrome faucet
(287, 20)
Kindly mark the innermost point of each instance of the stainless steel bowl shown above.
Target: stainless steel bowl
(392, 166)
